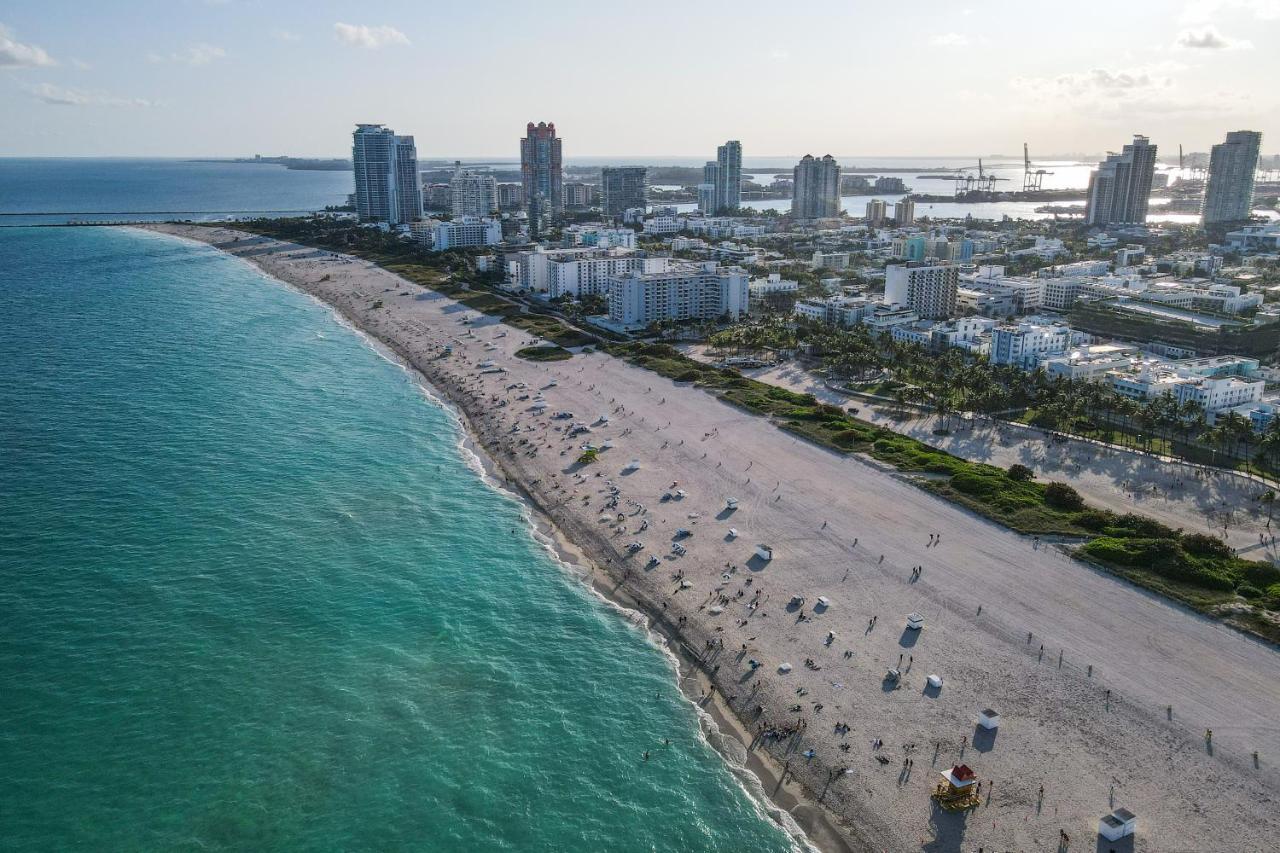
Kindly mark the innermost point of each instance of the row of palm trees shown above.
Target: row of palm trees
(954, 381)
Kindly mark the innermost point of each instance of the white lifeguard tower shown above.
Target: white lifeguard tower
(1118, 824)
(764, 552)
(935, 680)
(988, 719)
(915, 621)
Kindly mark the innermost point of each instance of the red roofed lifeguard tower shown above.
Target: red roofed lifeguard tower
(960, 791)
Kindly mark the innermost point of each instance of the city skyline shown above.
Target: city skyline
(216, 79)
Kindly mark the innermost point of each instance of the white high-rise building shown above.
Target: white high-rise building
(593, 276)
(929, 291)
(473, 193)
(388, 188)
(817, 188)
(684, 291)
(466, 231)
(1228, 195)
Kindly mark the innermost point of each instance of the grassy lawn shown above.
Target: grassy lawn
(883, 388)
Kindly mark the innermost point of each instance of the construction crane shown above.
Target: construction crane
(1032, 181)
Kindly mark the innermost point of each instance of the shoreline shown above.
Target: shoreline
(814, 827)
(1070, 743)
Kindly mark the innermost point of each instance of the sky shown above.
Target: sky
(216, 78)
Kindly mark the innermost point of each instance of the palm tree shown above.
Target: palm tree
(1269, 443)
(1269, 498)
(1238, 429)
(1126, 408)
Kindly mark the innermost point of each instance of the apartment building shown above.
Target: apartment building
(930, 291)
(385, 166)
(683, 291)
(465, 231)
(1024, 344)
(576, 277)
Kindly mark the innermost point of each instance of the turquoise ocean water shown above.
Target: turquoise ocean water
(253, 597)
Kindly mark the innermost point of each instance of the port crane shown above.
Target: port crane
(1032, 180)
(983, 182)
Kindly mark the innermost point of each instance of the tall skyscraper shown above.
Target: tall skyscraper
(904, 212)
(817, 188)
(473, 193)
(877, 210)
(707, 190)
(729, 175)
(541, 169)
(1120, 188)
(388, 187)
(1228, 196)
(622, 188)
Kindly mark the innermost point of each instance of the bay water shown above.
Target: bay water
(254, 596)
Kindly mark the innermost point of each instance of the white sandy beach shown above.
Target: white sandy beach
(852, 531)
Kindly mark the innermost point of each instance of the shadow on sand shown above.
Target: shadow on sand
(948, 830)
(984, 739)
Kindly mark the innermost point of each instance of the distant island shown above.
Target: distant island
(307, 164)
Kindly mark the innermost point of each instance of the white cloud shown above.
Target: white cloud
(1203, 11)
(64, 97)
(371, 38)
(15, 54)
(285, 35)
(81, 64)
(1127, 93)
(1208, 38)
(950, 40)
(1102, 80)
(196, 54)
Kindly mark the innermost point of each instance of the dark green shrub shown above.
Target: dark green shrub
(1203, 545)
(973, 483)
(847, 437)
(1062, 496)
(1020, 473)
(1139, 525)
(1262, 575)
(1096, 520)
